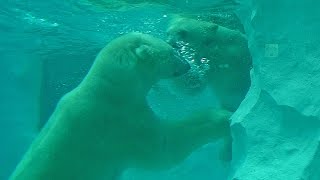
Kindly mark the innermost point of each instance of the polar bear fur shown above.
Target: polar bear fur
(105, 125)
(224, 50)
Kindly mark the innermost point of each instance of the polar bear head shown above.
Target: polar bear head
(158, 57)
(195, 32)
(137, 61)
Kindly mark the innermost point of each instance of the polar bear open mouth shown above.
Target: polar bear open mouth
(196, 77)
(184, 66)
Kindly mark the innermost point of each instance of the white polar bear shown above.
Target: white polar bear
(226, 53)
(105, 125)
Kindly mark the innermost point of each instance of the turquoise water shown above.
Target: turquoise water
(47, 48)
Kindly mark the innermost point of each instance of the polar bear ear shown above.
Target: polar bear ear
(144, 51)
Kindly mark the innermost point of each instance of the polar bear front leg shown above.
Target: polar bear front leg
(185, 136)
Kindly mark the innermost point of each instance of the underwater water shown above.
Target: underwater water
(47, 47)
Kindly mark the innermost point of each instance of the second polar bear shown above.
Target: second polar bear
(105, 125)
(223, 50)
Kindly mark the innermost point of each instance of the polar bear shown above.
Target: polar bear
(226, 53)
(105, 125)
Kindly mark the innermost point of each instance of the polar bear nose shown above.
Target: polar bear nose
(182, 66)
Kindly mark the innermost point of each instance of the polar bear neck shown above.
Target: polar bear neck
(116, 88)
